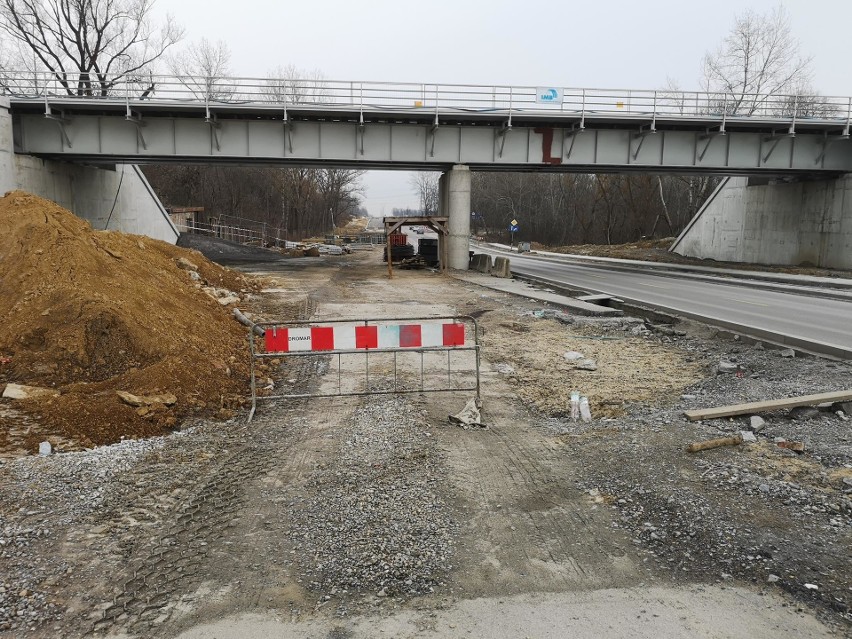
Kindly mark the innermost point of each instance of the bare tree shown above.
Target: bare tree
(202, 67)
(672, 98)
(289, 84)
(426, 186)
(87, 46)
(338, 189)
(805, 102)
(759, 59)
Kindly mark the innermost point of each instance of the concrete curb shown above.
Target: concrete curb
(503, 285)
(834, 289)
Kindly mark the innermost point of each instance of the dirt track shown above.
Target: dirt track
(538, 524)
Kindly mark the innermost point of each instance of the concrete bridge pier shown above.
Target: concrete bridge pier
(454, 194)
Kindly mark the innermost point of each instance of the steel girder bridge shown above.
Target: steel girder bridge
(427, 126)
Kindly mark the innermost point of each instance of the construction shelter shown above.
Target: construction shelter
(436, 223)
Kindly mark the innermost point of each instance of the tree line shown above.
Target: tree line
(292, 203)
(559, 209)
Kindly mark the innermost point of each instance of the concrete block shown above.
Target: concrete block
(481, 262)
(501, 267)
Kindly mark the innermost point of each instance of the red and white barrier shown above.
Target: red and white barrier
(372, 337)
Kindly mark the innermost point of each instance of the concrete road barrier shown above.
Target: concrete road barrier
(501, 267)
(481, 262)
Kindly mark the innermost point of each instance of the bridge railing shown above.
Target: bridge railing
(288, 93)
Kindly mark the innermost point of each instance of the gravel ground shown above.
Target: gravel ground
(755, 512)
(60, 491)
(322, 510)
(373, 520)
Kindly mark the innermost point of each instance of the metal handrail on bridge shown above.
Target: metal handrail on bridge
(440, 99)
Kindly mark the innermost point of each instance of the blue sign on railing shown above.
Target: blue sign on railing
(548, 95)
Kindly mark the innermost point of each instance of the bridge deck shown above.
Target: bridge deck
(366, 124)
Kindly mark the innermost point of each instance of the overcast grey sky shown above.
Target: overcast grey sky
(604, 44)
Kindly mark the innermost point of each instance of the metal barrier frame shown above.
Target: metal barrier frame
(467, 320)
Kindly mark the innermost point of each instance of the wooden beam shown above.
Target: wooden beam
(390, 227)
(388, 251)
(765, 407)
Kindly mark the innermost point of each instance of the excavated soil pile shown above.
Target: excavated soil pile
(91, 312)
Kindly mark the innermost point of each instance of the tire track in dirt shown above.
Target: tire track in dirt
(160, 572)
(530, 528)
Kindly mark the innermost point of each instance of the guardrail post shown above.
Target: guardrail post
(848, 118)
(654, 119)
(792, 130)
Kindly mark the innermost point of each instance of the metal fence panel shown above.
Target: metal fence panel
(377, 356)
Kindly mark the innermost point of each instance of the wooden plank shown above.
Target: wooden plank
(770, 405)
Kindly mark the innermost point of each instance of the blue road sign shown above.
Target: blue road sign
(513, 228)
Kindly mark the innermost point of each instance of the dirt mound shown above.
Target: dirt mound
(625, 251)
(92, 312)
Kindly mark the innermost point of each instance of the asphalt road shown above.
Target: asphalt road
(808, 322)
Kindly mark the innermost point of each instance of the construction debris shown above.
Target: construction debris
(585, 409)
(245, 321)
(21, 391)
(586, 365)
(796, 447)
(756, 423)
(766, 406)
(469, 415)
(185, 264)
(736, 440)
(411, 263)
(167, 399)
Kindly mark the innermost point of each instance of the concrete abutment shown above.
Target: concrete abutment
(117, 198)
(780, 223)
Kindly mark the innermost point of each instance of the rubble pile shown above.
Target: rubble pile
(100, 316)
